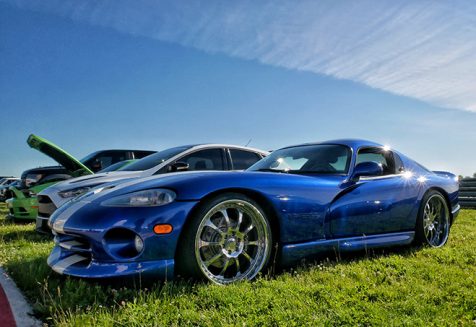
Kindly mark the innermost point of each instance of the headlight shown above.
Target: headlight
(74, 192)
(148, 198)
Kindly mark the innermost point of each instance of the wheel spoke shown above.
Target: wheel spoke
(203, 243)
(247, 256)
(213, 259)
(237, 263)
(211, 225)
(227, 218)
(427, 210)
(225, 267)
(255, 243)
(239, 221)
(431, 239)
(427, 233)
(247, 230)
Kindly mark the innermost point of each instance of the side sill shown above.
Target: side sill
(294, 252)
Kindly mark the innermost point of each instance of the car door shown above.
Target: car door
(375, 205)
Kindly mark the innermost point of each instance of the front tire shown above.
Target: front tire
(433, 225)
(227, 240)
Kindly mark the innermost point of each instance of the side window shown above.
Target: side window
(379, 155)
(209, 159)
(243, 159)
(399, 167)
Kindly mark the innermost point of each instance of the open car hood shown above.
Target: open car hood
(53, 151)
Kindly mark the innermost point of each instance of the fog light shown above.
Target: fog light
(138, 244)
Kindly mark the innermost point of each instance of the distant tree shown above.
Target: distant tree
(474, 175)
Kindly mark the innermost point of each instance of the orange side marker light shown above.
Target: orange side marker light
(163, 229)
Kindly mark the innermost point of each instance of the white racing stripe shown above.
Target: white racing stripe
(69, 261)
(58, 225)
(69, 244)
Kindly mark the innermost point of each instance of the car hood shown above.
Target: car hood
(73, 165)
(92, 180)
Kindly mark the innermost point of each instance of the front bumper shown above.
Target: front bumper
(82, 248)
(26, 208)
(77, 265)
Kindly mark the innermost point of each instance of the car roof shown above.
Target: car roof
(47, 169)
(220, 145)
(352, 143)
(121, 150)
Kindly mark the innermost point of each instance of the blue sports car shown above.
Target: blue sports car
(299, 201)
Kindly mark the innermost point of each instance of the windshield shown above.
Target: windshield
(154, 159)
(117, 166)
(319, 159)
(89, 157)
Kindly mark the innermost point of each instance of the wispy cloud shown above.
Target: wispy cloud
(421, 49)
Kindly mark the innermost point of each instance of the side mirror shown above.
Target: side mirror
(178, 166)
(366, 169)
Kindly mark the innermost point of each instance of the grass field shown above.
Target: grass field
(407, 286)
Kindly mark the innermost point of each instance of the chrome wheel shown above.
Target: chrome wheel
(436, 221)
(233, 242)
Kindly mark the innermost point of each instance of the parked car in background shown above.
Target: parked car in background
(21, 198)
(100, 160)
(5, 183)
(182, 158)
(299, 201)
(23, 202)
(7, 180)
(94, 162)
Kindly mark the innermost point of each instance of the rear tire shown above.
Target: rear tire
(433, 222)
(228, 239)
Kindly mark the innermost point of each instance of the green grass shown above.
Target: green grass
(407, 286)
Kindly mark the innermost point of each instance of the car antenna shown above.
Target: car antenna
(249, 142)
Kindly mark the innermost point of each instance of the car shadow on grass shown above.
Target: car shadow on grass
(51, 293)
(274, 270)
(336, 258)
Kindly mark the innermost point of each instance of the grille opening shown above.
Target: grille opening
(46, 207)
(44, 214)
(44, 199)
(120, 243)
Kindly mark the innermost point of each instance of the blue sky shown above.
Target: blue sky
(99, 75)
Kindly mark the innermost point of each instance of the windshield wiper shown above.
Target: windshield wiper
(312, 172)
(296, 171)
(272, 170)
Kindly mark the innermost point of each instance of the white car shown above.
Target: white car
(182, 158)
(5, 183)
